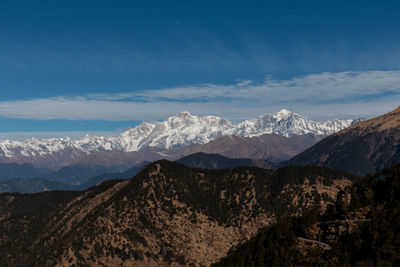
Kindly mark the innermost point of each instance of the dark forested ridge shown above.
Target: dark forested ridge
(216, 161)
(362, 228)
(168, 214)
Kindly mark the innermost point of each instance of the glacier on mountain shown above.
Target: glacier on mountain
(179, 130)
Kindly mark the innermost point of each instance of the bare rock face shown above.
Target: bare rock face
(167, 215)
(366, 147)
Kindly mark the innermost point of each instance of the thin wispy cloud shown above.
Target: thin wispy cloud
(325, 95)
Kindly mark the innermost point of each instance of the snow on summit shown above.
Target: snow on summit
(282, 115)
(179, 130)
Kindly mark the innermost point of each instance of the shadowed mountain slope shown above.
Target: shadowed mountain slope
(365, 147)
(118, 175)
(270, 147)
(168, 214)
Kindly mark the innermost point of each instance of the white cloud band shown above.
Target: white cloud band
(345, 94)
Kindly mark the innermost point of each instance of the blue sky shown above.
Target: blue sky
(102, 66)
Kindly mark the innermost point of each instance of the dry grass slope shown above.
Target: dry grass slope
(167, 215)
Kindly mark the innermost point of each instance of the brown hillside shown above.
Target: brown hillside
(167, 215)
(382, 123)
(366, 147)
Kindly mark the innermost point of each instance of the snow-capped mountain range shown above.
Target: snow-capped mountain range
(179, 130)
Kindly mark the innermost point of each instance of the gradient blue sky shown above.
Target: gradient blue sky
(102, 66)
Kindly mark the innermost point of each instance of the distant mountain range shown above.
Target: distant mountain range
(34, 185)
(365, 147)
(65, 180)
(178, 136)
(15, 170)
(81, 177)
(74, 174)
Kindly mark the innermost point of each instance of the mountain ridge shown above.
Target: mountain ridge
(180, 130)
(365, 147)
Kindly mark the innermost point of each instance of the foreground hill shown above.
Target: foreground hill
(167, 214)
(361, 229)
(366, 147)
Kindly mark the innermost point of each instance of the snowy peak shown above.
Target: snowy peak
(141, 130)
(282, 115)
(179, 130)
(186, 129)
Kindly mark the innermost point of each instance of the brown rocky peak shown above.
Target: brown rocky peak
(366, 147)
